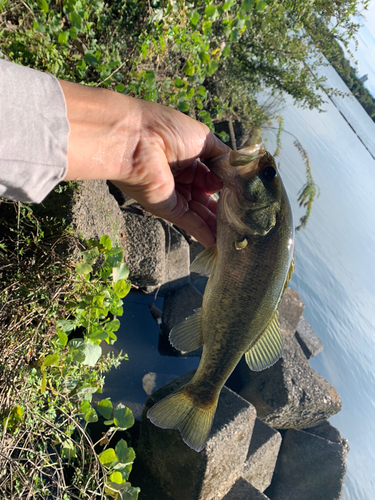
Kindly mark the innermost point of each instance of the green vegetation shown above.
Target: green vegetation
(54, 315)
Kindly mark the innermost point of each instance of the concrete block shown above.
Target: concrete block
(309, 468)
(261, 460)
(308, 339)
(243, 490)
(184, 474)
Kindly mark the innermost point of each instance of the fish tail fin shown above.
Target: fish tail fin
(180, 411)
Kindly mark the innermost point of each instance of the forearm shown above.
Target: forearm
(104, 132)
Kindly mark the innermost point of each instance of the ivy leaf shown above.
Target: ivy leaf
(204, 57)
(105, 240)
(108, 457)
(178, 83)
(189, 69)
(120, 272)
(83, 268)
(90, 256)
(226, 50)
(183, 106)
(122, 288)
(43, 5)
(75, 20)
(247, 5)
(51, 359)
(90, 414)
(66, 325)
(120, 88)
(63, 37)
(124, 454)
(112, 326)
(195, 18)
(202, 91)
(210, 10)
(68, 450)
(123, 417)
(105, 408)
(92, 353)
(63, 338)
(260, 6)
(212, 67)
(116, 477)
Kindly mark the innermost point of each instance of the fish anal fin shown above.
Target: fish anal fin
(187, 336)
(180, 411)
(205, 262)
(267, 349)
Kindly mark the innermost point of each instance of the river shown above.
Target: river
(335, 264)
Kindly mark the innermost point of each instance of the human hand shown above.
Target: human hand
(149, 151)
(165, 174)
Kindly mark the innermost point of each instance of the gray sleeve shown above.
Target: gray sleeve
(33, 133)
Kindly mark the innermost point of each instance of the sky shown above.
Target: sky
(365, 54)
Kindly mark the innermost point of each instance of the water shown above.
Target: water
(335, 265)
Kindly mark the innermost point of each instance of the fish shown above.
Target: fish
(249, 268)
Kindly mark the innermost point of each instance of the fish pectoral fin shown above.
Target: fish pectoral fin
(187, 336)
(289, 275)
(205, 262)
(267, 349)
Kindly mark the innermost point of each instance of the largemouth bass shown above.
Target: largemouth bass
(249, 269)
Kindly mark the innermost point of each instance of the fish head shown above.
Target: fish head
(252, 193)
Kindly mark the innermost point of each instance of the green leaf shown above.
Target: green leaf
(179, 83)
(226, 50)
(75, 20)
(90, 58)
(234, 35)
(73, 33)
(66, 325)
(112, 326)
(92, 353)
(224, 136)
(123, 417)
(228, 5)
(190, 93)
(150, 76)
(63, 37)
(68, 450)
(90, 256)
(122, 288)
(183, 106)
(210, 10)
(260, 6)
(120, 88)
(202, 91)
(51, 359)
(120, 272)
(212, 67)
(204, 57)
(44, 383)
(83, 268)
(105, 408)
(63, 338)
(124, 454)
(76, 348)
(108, 457)
(247, 5)
(116, 477)
(195, 18)
(189, 69)
(90, 414)
(43, 5)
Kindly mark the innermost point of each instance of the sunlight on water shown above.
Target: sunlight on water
(335, 268)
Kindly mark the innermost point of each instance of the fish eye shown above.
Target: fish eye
(269, 173)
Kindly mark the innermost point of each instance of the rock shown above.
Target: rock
(308, 339)
(144, 250)
(178, 305)
(184, 474)
(152, 381)
(326, 431)
(309, 468)
(177, 259)
(95, 212)
(261, 460)
(290, 394)
(242, 490)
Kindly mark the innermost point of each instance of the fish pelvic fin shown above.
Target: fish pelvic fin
(268, 348)
(180, 411)
(187, 336)
(205, 262)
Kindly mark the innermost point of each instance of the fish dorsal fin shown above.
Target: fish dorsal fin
(267, 349)
(205, 262)
(289, 275)
(187, 336)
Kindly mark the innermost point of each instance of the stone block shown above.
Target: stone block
(308, 339)
(290, 394)
(144, 250)
(261, 460)
(177, 259)
(326, 431)
(290, 311)
(95, 212)
(243, 490)
(309, 468)
(184, 474)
